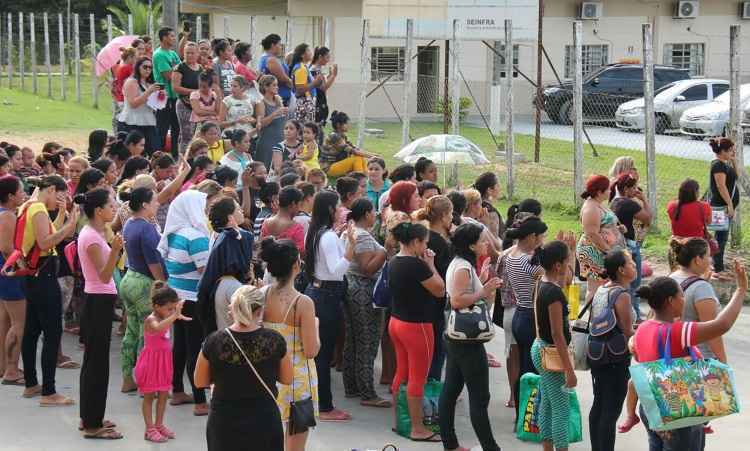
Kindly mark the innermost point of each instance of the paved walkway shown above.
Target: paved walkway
(26, 427)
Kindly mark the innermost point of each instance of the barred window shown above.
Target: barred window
(686, 56)
(387, 61)
(498, 67)
(192, 19)
(592, 58)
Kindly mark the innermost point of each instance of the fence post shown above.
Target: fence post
(150, 24)
(578, 113)
(735, 119)
(94, 79)
(327, 32)
(77, 56)
(510, 146)
(226, 26)
(61, 42)
(2, 68)
(364, 75)
(198, 28)
(456, 88)
(405, 114)
(47, 59)
(648, 97)
(21, 51)
(32, 39)
(130, 24)
(109, 28)
(253, 40)
(10, 50)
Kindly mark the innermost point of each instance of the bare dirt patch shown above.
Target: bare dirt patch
(76, 140)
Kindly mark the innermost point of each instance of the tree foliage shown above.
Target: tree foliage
(140, 12)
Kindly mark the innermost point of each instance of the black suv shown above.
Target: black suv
(604, 90)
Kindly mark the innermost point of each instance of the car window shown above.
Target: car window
(694, 93)
(608, 74)
(720, 88)
(667, 76)
(630, 74)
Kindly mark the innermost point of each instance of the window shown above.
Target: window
(387, 61)
(686, 56)
(192, 19)
(498, 67)
(720, 89)
(695, 93)
(592, 58)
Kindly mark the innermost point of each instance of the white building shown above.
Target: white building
(612, 32)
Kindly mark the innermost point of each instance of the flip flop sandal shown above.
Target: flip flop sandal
(18, 382)
(174, 402)
(106, 424)
(33, 394)
(64, 402)
(377, 402)
(68, 365)
(104, 434)
(427, 439)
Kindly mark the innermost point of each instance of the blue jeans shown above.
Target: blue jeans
(438, 354)
(635, 252)
(525, 334)
(721, 237)
(330, 312)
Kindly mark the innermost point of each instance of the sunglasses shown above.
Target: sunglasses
(146, 67)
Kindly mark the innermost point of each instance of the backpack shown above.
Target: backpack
(381, 294)
(18, 265)
(689, 281)
(607, 343)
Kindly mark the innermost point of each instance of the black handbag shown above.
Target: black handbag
(302, 412)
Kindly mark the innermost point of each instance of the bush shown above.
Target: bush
(464, 103)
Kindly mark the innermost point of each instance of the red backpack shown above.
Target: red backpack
(17, 265)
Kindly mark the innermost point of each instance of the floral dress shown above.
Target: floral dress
(590, 257)
(305, 383)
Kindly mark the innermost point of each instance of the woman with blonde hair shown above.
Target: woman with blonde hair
(244, 362)
(622, 165)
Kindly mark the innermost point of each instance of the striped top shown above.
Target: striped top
(522, 275)
(188, 251)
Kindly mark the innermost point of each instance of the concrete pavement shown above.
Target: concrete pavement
(26, 427)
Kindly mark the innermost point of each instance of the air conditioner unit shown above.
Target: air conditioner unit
(591, 10)
(687, 9)
(745, 10)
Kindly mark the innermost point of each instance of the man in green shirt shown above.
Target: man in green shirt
(165, 59)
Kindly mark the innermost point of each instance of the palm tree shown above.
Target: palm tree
(140, 12)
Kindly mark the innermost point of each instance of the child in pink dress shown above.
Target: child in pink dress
(153, 370)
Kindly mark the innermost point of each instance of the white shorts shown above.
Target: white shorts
(508, 328)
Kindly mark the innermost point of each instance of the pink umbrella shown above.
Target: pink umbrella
(110, 54)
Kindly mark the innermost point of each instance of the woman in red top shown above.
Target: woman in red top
(666, 299)
(688, 216)
(120, 73)
(282, 225)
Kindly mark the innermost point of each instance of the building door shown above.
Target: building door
(428, 78)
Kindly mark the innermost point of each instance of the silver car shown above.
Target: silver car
(670, 102)
(712, 118)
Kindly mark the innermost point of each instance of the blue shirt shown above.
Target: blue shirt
(285, 92)
(374, 195)
(187, 252)
(141, 240)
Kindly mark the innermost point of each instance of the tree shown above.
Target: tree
(140, 12)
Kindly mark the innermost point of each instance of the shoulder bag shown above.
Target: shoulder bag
(471, 324)
(580, 339)
(551, 359)
(302, 412)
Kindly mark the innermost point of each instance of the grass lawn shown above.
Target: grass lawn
(550, 181)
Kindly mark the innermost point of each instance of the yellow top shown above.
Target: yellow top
(300, 78)
(216, 151)
(29, 235)
(312, 162)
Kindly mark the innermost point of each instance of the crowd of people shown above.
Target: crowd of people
(208, 228)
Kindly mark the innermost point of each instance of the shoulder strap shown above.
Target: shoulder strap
(614, 293)
(270, 393)
(689, 281)
(289, 309)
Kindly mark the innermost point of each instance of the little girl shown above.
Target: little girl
(309, 153)
(153, 370)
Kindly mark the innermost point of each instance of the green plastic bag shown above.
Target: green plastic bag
(527, 427)
(430, 404)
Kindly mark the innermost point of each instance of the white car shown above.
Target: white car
(669, 103)
(712, 119)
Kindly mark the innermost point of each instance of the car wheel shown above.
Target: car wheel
(566, 113)
(662, 124)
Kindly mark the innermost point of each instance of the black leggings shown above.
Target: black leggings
(96, 332)
(188, 339)
(610, 389)
(525, 334)
(466, 364)
(43, 317)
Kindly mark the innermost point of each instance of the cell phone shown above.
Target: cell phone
(186, 26)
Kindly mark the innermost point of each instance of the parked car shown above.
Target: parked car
(669, 103)
(604, 91)
(712, 118)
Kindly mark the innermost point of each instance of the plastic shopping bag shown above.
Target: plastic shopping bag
(527, 427)
(430, 405)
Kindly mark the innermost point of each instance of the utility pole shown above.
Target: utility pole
(538, 111)
(169, 14)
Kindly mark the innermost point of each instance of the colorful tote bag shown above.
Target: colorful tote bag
(684, 392)
(527, 426)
